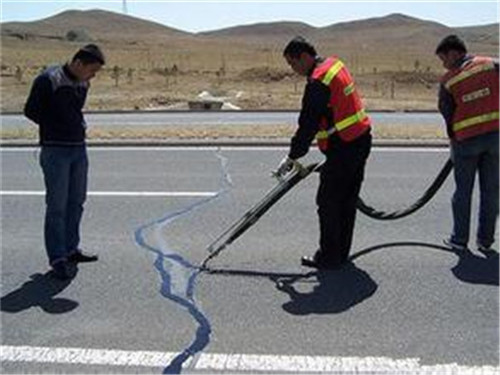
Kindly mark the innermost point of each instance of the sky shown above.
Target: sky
(205, 15)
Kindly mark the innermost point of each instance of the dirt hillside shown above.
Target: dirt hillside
(151, 66)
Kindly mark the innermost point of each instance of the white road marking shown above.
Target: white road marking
(85, 356)
(118, 193)
(244, 363)
(232, 363)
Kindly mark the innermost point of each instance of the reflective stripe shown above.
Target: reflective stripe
(349, 89)
(323, 134)
(468, 73)
(348, 121)
(341, 125)
(475, 120)
(332, 72)
(478, 94)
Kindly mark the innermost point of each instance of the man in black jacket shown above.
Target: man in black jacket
(333, 113)
(55, 104)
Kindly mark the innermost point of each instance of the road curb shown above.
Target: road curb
(231, 142)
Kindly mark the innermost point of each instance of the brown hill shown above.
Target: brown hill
(393, 32)
(485, 34)
(398, 33)
(151, 65)
(264, 30)
(384, 43)
(96, 24)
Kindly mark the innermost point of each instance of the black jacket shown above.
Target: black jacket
(55, 103)
(314, 107)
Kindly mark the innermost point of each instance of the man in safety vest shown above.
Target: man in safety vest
(468, 101)
(332, 112)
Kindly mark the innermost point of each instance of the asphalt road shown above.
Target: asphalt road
(207, 118)
(406, 305)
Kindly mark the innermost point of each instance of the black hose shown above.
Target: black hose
(426, 197)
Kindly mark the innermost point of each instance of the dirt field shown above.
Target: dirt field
(248, 76)
(151, 77)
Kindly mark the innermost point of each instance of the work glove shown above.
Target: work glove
(285, 166)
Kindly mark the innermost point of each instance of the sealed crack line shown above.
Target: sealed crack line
(178, 275)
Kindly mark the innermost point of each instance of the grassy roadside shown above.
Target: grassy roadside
(200, 132)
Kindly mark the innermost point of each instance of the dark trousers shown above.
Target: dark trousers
(341, 177)
(65, 174)
(477, 155)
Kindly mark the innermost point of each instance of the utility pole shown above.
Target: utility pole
(124, 7)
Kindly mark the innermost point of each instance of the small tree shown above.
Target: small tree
(220, 74)
(174, 71)
(79, 35)
(166, 74)
(19, 74)
(130, 75)
(416, 65)
(115, 74)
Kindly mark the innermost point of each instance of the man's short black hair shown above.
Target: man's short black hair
(451, 43)
(90, 54)
(298, 45)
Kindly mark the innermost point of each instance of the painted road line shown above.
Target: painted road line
(85, 356)
(304, 364)
(330, 365)
(241, 363)
(118, 193)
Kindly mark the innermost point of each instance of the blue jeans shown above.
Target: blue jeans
(478, 154)
(65, 170)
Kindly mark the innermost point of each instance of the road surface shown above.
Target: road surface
(156, 118)
(406, 306)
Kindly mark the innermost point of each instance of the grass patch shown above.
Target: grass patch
(380, 131)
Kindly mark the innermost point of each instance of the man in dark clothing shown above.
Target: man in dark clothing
(332, 112)
(468, 101)
(55, 104)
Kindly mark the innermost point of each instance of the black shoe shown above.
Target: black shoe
(311, 262)
(79, 257)
(61, 271)
(483, 248)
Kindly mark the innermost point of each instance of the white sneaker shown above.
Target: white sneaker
(454, 245)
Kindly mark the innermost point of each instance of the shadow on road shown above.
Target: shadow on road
(476, 269)
(335, 291)
(471, 268)
(40, 291)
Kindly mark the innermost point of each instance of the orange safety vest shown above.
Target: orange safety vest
(474, 88)
(348, 114)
